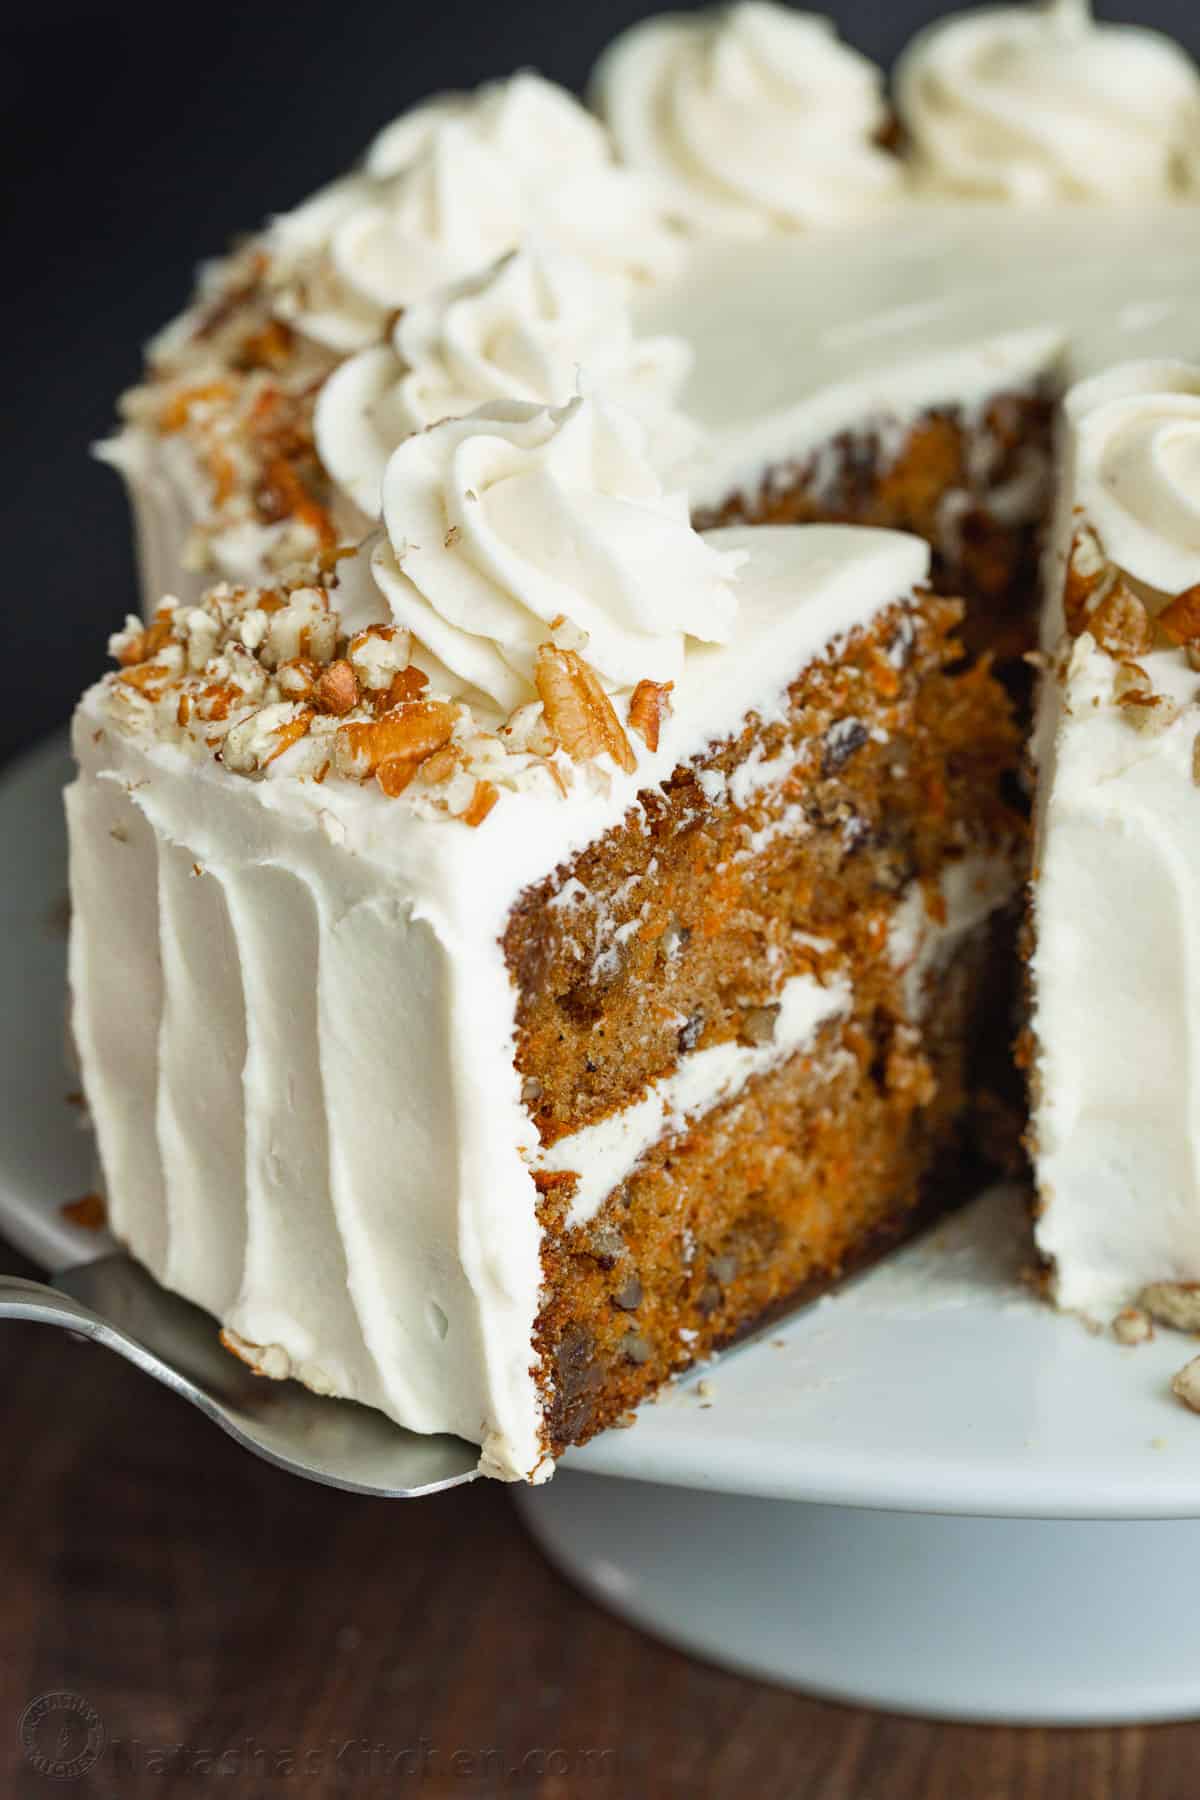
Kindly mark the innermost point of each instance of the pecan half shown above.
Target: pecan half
(579, 713)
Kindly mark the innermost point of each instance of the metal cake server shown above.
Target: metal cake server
(115, 1302)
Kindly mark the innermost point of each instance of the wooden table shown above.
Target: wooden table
(207, 1608)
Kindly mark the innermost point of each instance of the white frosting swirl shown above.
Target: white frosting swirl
(1033, 104)
(1135, 445)
(536, 326)
(449, 188)
(518, 521)
(753, 117)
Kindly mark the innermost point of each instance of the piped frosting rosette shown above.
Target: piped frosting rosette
(448, 188)
(1134, 441)
(1039, 103)
(520, 523)
(537, 327)
(752, 118)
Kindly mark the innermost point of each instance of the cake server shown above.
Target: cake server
(114, 1302)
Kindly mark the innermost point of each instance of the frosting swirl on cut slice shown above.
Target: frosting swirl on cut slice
(1135, 444)
(520, 523)
(451, 187)
(537, 326)
(1033, 104)
(753, 118)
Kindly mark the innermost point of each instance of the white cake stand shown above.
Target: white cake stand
(930, 1494)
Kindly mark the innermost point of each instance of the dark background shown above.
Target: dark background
(136, 143)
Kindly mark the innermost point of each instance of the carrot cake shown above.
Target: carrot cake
(509, 966)
(538, 873)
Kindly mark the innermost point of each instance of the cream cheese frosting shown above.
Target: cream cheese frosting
(1136, 468)
(262, 946)
(445, 191)
(1036, 103)
(943, 304)
(1116, 984)
(535, 327)
(518, 521)
(753, 117)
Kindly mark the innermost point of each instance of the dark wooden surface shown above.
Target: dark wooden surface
(199, 1599)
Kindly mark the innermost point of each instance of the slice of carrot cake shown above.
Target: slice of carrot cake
(510, 966)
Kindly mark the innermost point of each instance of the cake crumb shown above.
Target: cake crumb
(1132, 1326)
(89, 1212)
(704, 1389)
(1185, 1385)
(1173, 1303)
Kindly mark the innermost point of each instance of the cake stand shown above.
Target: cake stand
(929, 1493)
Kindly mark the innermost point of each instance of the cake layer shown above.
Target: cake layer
(973, 481)
(761, 1201)
(776, 855)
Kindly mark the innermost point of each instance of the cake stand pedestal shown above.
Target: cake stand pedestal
(928, 1493)
(1052, 1622)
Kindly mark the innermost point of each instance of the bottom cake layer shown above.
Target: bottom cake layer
(766, 1200)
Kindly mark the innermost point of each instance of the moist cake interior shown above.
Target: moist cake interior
(673, 936)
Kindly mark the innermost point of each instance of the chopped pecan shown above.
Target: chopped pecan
(298, 678)
(1181, 619)
(266, 734)
(651, 702)
(378, 653)
(406, 684)
(1087, 571)
(410, 733)
(482, 802)
(135, 645)
(337, 689)
(578, 712)
(1120, 624)
(178, 409)
(395, 773)
(440, 766)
